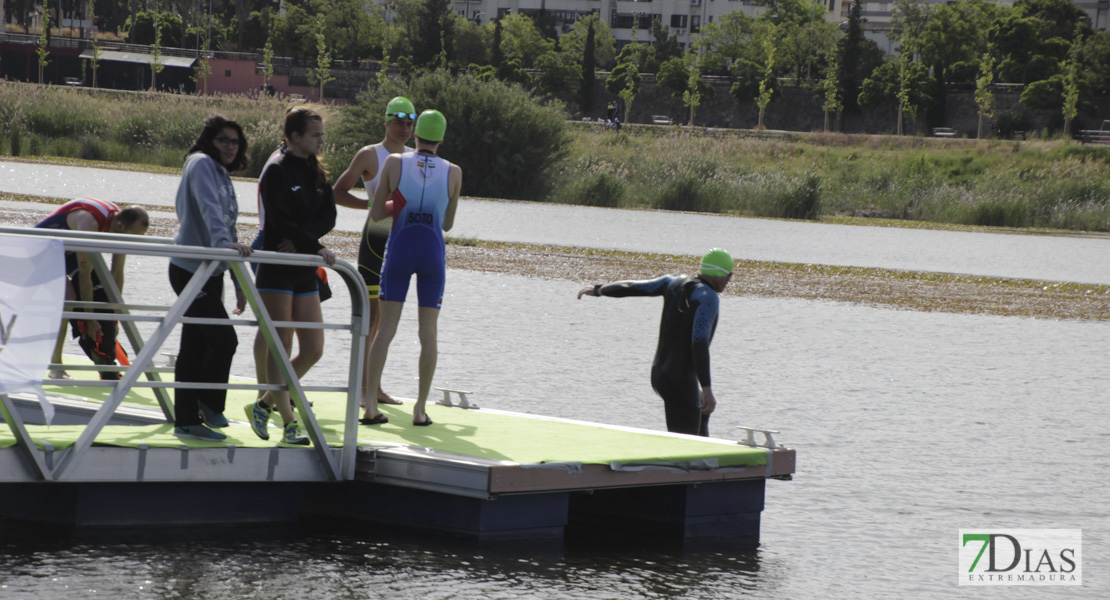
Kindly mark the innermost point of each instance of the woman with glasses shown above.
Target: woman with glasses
(299, 208)
(400, 116)
(207, 211)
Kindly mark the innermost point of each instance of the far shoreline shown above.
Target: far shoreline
(879, 288)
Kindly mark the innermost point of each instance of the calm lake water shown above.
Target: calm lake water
(1050, 258)
(909, 426)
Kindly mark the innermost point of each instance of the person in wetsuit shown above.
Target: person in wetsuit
(300, 208)
(96, 338)
(424, 190)
(680, 371)
(400, 117)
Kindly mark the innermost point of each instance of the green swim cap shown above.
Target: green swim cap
(401, 105)
(430, 126)
(717, 263)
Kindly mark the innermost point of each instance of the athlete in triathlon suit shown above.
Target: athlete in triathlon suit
(425, 190)
(400, 116)
(96, 338)
(681, 365)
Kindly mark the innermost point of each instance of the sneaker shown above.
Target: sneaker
(198, 432)
(211, 418)
(259, 418)
(294, 435)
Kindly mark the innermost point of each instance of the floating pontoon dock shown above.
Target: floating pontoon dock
(109, 458)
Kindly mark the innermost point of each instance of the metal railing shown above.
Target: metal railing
(341, 468)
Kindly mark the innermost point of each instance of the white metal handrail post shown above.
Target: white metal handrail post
(115, 296)
(23, 438)
(277, 349)
(145, 358)
(360, 332)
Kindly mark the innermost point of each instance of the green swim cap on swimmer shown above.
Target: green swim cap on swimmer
(399, 108)
(430, 126)
(717, 263)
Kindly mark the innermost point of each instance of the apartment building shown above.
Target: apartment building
(686, 17)
(624, 17)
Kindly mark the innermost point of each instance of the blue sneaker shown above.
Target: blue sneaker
(198, 432)
(259, 418)
(211, 418)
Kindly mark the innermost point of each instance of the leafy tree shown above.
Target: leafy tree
(1061, 17)
(43, 45)
(1094, 56)
(696, 90)
(429, 31)
(94, 47)
(673, 75)
(506, 140)
(470, 46)
(267, 63)
(520, 39)
(1046, 94)
(589, 62)
(907, 22)
(1026, 54)
(984, 98)
(901, 83)
(664, 47)
(730, 37)
(766, 85)
(321, 73)
(857, 57)
(624, 82)
(498, 55)
(202, 70)
(798, 43)
(156, 65)
(557, 73)
(1071, 84)
(830, 92)
(748, 70)
(781, 12)
(573, 43)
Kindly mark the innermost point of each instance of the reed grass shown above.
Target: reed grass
(1053, 184)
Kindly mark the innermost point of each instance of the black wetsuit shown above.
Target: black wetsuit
(299, 209)
(681, 365)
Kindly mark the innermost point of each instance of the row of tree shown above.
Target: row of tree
(1047, 45)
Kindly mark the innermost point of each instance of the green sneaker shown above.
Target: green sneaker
(259, 418)
(294, 435)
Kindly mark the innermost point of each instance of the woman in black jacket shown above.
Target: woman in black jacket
(299, 210)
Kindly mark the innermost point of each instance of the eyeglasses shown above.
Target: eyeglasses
(402, 115)
(226, 141)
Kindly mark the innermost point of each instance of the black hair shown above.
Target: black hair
(206, 141)
(131, 215)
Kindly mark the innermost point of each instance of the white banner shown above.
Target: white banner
(32, 290)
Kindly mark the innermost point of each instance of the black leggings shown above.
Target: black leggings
(681, 403)
(206, 350)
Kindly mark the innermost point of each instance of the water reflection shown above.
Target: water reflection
(325, 559)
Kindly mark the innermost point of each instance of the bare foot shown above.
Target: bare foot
(384, 398)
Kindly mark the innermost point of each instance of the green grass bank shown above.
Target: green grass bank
(1053, 184)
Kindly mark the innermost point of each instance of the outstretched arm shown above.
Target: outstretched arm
(622, 289)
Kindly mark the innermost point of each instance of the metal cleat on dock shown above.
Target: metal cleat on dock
(768, 439)
(463, 402)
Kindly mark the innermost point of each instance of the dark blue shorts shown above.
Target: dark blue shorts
(283, 279)
(419, 253)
